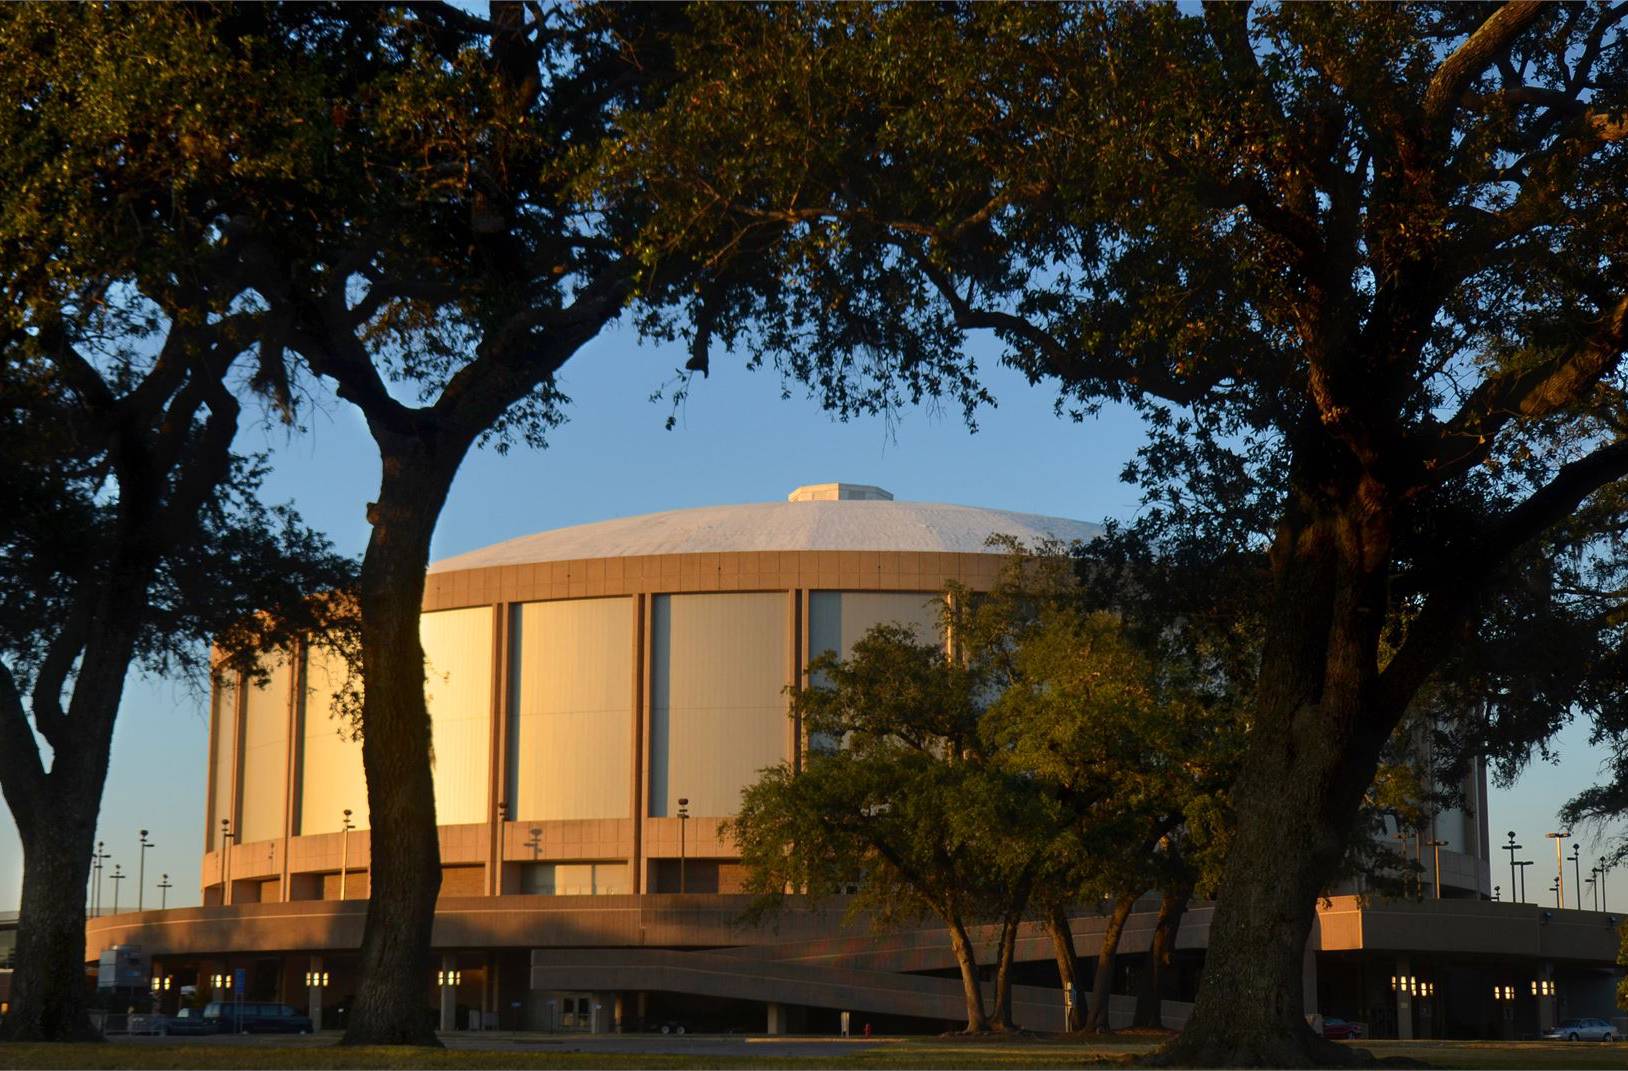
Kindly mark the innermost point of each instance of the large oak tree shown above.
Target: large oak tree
(1364, 269)
(130, 342)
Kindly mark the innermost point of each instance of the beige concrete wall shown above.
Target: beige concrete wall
(570, 748)
(458, 687)
(263, 775)
(837, 619)
(575, 783)
(330, 777)
(717, 702)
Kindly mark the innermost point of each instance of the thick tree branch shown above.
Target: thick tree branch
(1466, 569)
(1483, 47)
(22, 776)
(1531, 393)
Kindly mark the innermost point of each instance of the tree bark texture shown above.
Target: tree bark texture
(1313, 752)
(1102, 983)
(391, 1007)
(1002, 1017)
(1156, 977)
(1068, 961)
(967, 960)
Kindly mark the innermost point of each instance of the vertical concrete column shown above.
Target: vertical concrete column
(313, 995)
(1547, 1005)
(620, 1012)
(777, 1018)
(1404, 1000)
(449, 995)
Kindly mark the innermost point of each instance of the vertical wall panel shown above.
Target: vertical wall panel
(458, 685)
(331, 777)
(224, 758)
(717, 703)
(571, 739)
(837, 619)
(265, 755)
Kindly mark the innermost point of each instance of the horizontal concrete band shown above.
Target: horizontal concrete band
(823, 936)
(719, 975)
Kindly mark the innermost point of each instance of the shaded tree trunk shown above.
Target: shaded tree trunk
(1068, 961)
(1102, 983)
(404, 876)
(1313, 752)
(967, 960)
(58, 836)
(1001, 1019)
(1155, 981)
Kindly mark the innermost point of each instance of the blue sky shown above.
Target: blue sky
(736, 441)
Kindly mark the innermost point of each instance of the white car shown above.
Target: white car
(1582, 1030)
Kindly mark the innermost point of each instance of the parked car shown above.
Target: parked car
(1582, 1030)
(1341, 1030)
(186, 1021)
(253, 1017)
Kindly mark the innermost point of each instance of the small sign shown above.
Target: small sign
(240, 978)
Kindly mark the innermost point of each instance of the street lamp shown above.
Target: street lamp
(1554, 887)
(101, 867)
(344, 851)
(164, 893)
(1512, 848)
(141, 872)
(1594, 886)
(535, 842)
(1577, 871)
(1560, 864)
(683, 820)
(1523, 864)
(225, 860)
(1436, 846)
(115, 878)
(1497, 891)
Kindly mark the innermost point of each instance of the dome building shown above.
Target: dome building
(599, 697)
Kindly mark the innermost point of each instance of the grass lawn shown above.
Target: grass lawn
(911, 1053)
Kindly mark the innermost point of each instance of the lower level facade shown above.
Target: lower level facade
(1454, 968)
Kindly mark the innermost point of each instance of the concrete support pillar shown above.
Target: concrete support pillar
(313, 995)
(777, 1018)
(449, 995)
(1548, 1006)
(1404, 1000)
(619, 1012)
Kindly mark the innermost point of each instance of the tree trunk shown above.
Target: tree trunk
(1002, 1017)
(1102, 984)
(967, 960)
(1312, 753)
(1068, 961)
(1155, 978)
(48, 985)
(404, 875)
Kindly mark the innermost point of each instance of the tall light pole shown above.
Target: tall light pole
(1523, 864)
(683, 820)
(1577, 872)
(344, 852)
(1594, 886)
(1436, 846)
(535, 842)
(1497, 892)
(1554, 887)
(164, 892)
(1560, 863)
(225, 861)
(115, 878)
(101, 868)
(141, 872)
(1512, 848)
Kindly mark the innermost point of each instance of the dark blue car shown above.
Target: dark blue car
(254, 1017)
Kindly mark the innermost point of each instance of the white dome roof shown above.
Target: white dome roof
(838, 524)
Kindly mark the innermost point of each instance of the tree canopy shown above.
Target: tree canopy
(1362, 268)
